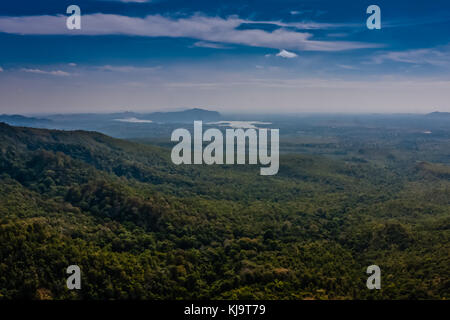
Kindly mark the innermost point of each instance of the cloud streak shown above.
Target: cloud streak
(439, 56)
(211, 45)
(209, 29)
(53, 73)
(127, 69)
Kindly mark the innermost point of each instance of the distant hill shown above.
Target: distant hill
(19, 120)
(86, 120)
(438, 114)
(184, 116)
(88, 146)
(119, 124)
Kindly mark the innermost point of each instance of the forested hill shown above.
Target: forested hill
(82, 145)
(141, 227)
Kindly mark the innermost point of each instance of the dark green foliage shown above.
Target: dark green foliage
(142, 228)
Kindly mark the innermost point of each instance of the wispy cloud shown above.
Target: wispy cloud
(209, 29)
(127, 68)
(439, 56)
(346, 66)
(286, 54)
(53, 73)
(416, 22)
(337, 35)
(319, 83)
(1, 69)
(212, 45)
(304, 25)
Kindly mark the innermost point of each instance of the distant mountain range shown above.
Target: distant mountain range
(175, 116)
(188, 115)
(91, 121)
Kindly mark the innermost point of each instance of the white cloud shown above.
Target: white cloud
(286, 54)
(209, 29)
(53, 73)
(1, 69)
(72, 64)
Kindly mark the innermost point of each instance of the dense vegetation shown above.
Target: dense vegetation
(140, 227)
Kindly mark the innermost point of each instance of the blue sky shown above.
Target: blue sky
(249, 56)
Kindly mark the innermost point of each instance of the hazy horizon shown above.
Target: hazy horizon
(144, 112)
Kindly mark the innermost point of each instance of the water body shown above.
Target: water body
(240, 124)
(133, 120)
